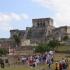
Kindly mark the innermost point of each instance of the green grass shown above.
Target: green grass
(16, 68)
(57, 57)
(41, 67)
(63, 48)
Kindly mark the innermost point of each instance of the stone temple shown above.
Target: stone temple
(42, 31)
(39, 32)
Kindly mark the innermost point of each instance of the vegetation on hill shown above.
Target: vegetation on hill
(17, 39)
(65, 38)
(3, 51)
(43, 47)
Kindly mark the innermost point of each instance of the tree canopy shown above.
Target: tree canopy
(3, 51)
(43, 47)
(53, 44)
(65, 38)
(16, 38)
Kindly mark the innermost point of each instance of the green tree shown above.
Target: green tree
(3, 51)
(42, 48)
(65, 38)
(16, 38)
(29, 33)
(53, 44)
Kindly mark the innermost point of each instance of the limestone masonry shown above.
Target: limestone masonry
(41, 31)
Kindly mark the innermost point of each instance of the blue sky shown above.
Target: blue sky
(18, 14)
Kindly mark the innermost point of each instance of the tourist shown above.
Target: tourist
(23, 59)
(7, 62)
(56, 66)
(67, 64)
(2, 63)
(49, 63)
(60, 65)
(30, 61)
(64, 66)
(37, 61)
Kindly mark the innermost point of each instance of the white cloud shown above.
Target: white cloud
(7, 18)
(12, 16)
(61, 8)
(25, 16)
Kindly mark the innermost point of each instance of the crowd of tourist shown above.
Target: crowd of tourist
(38, 59)
(62, 65)
(47, 58)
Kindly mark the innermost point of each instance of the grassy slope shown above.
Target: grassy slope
(57, 57)
(63, 48)
(41, 67)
